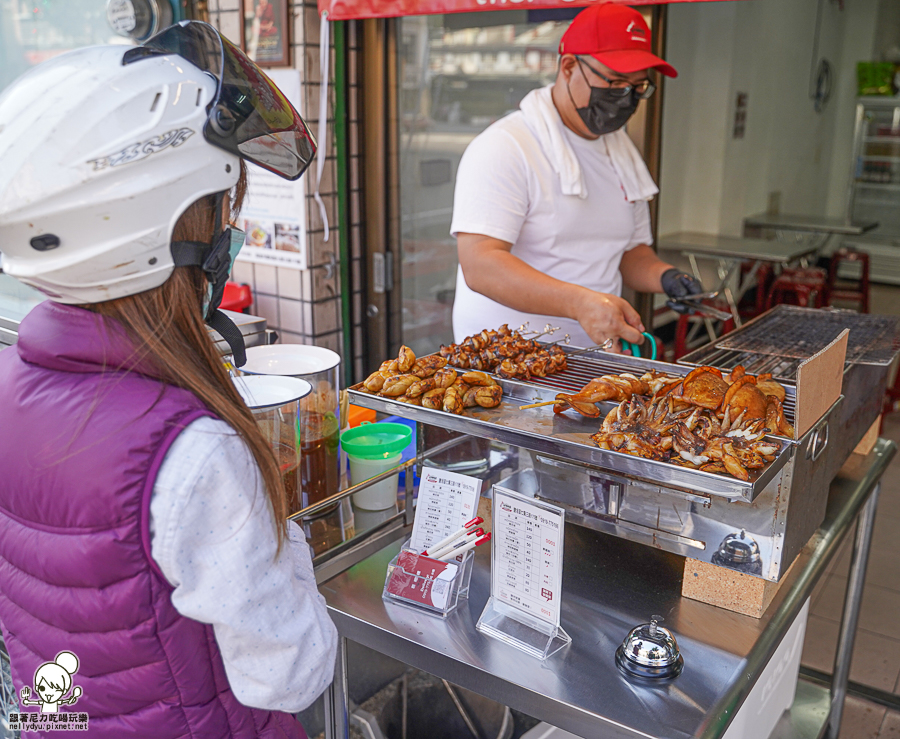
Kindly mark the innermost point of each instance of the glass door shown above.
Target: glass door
(457, 74)
(875, 188)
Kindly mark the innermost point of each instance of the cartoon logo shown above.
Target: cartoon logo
(52, 681)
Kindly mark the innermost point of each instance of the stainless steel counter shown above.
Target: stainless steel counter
(701, 244)
(816, 224)
(610, 585)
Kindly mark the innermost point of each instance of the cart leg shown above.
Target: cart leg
(337, 701)
(852, 600)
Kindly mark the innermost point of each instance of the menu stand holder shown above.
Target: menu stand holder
(526, 575)
(538, 638)
(425, 584)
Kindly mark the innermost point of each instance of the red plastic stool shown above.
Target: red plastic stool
(754, 301)
(803, 286)
(681, 331)
(237, 297)
(861, 293)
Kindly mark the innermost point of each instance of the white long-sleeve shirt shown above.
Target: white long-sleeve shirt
(213, 538)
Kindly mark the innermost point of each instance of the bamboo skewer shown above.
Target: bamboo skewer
(538, 405)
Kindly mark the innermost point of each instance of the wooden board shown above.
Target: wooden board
(819, 382)
(728, 589)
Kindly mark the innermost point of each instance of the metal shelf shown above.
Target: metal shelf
(890, 186)
(882, 140)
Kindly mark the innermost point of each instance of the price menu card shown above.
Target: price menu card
(447, 501)
(526, 569)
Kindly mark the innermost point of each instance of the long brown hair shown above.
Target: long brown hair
(166, 325)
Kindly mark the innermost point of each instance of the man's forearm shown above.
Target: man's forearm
(490, 269)
(642, 269)
(508, 280)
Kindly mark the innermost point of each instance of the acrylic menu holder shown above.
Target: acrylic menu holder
(526, 575)
(426, 584)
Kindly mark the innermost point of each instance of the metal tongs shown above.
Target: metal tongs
(695, 304)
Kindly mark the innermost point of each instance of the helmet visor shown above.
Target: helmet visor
(249, 116)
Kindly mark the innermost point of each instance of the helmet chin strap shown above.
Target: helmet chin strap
(215, 261)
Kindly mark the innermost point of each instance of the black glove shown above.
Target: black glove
(677, 284)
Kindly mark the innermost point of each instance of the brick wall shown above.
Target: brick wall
(303, 306)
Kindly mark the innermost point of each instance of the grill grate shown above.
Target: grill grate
(782, 368)
(579, 372)
(788, 334)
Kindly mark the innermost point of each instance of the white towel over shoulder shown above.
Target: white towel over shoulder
(544, 121)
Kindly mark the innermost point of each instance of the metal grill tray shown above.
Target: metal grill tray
(779, 340)
(569, 437)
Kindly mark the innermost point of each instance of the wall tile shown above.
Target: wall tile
(315, 221)
(267, 307)
(311, 64)
(352, 66)
(355, 206)
(288, 283)
(291, 314)
(353, 130)
(356, 243)
(230, 26)
(306, 284)
(242, 273)
(320, 251)
(298, 32)
(326, 317)
(289, 337)
(324, 287)
(353, 105)
(354, 173)
(307, 309)
(266, 281)
(334, 341)
(329, 181)
(312, 23)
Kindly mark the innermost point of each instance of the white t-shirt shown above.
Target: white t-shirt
(506, 189)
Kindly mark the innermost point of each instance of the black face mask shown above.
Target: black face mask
(607, 109)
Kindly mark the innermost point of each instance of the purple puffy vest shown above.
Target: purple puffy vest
(80, 448)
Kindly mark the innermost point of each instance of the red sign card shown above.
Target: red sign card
(420, 579)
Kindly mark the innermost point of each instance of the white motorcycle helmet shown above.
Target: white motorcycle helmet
(102, 149)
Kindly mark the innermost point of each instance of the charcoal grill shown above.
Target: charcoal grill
(685, 511)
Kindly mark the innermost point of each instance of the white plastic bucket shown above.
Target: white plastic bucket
(382, 494)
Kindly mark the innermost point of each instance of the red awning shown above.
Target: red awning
(342, 10)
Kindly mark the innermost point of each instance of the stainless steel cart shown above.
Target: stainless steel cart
(609, 586)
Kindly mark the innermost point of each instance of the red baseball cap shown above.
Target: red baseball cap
(615, 35)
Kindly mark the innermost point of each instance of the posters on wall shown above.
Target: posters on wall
(274, 212)
(266, 32)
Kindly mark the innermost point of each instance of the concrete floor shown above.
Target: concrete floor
(876, 655)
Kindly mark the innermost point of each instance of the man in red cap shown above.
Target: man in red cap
(550, 210)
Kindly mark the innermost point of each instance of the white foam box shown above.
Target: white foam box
(772, 695)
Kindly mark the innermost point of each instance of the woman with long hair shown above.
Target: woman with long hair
(142, 514)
